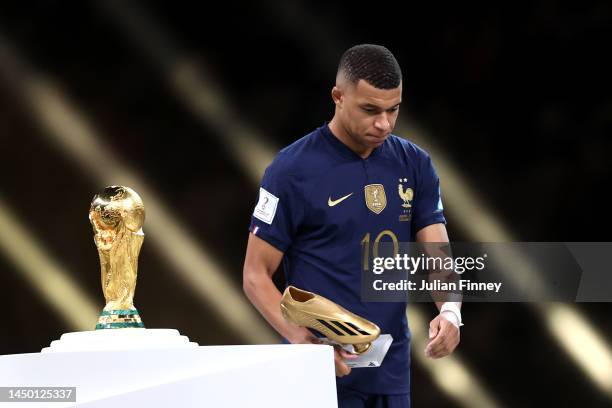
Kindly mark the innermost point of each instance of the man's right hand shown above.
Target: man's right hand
(340, 355)
(301, 335)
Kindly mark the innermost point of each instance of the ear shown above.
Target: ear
(337, 96)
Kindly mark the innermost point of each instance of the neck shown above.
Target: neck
(342, 134)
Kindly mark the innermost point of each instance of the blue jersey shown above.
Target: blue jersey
(319, 202)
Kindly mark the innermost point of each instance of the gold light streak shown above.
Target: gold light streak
(47, 276)
(450, 373)
(69, 130)
(482, 225)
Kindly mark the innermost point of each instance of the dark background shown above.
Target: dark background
(517, 97)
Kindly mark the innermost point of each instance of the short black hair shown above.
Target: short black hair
(373, 63)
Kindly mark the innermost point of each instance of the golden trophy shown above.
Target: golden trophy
(117, 214)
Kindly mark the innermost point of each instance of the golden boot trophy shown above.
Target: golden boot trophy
(117, 215)
(310, 310)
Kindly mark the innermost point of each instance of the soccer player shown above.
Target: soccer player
(350, 183)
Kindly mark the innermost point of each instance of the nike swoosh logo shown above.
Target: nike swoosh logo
(332, 203)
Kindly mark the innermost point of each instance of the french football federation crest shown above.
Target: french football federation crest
(375, 197)
(406, 195)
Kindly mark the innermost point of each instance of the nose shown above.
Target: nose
(382, 123)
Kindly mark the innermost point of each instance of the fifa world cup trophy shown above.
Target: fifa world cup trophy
(117, 215)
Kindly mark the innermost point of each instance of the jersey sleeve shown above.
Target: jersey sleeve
(427, 205)
(279, 209)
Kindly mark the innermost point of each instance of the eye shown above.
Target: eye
(369, 110)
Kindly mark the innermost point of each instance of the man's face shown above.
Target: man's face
(368, 113)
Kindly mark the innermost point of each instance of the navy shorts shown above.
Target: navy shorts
(348, 398)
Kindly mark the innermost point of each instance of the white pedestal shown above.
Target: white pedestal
(214, 376)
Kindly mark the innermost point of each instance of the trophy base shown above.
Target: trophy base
(115, 340)
(119, 319)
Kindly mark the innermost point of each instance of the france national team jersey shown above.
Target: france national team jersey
(319, 202)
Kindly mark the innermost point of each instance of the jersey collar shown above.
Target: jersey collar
(344, 149)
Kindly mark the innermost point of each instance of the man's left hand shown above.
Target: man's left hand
(443, 337)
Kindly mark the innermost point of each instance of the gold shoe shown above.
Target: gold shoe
(334, 322)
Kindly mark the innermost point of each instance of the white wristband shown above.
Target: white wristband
(453, 314)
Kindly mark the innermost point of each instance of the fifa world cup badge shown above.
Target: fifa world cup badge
(375, 197)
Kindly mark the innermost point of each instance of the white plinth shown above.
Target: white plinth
(119, 339)
(214, 376)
